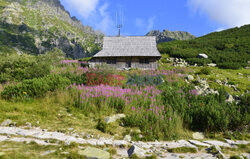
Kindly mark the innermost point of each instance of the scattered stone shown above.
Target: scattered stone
(48, 152)
(198, 135)
(202, 56)
(3, 138)
(237, 142)
(212, 65)
(119, 143)
(217, 143)
(6, 122)
(28, 124)
(94, 153)
(198, 143)
(140, 136)
(2, 154)
(127, 138)
(37, 122)
(114, 118)
(70, 129)
(65, 153)
(67, 143)
(178, 62)
(230, 99)
(240, 74)
(218, 81)
(222, 156)
(136, 150)
(190, 77)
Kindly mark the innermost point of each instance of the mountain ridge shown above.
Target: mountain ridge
(166, 35)
(47, 25)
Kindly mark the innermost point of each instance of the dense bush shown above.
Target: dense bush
(75, 78)
(229, 65)
(15, 67)
(36, 87)
(142, 80)
(205, 71)
(198, 61)
(204, 113)
(228, 49)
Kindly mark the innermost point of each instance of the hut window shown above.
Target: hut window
(144, 60)
(111, 61)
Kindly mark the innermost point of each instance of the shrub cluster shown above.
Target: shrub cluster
(205, 113)
(15, 67)
(36, 87)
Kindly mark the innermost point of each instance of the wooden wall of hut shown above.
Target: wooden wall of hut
(146, 63)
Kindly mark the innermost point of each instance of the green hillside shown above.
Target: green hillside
(228, 49)
(38, 26)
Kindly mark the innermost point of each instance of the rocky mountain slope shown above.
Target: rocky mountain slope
(38, 26)
(167, 35)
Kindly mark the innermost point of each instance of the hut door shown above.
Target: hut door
(129, 63)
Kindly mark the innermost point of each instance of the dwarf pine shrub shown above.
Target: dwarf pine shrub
(36, 87)
(204, 113)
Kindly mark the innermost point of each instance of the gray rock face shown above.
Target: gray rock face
(50, 26)
(94, 153)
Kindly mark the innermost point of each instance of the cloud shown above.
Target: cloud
(85, 8)
(151, 23)
(220, 29)
(104, 20)
(139, 23)
(145, 24)
(230, 13)
(92, 12)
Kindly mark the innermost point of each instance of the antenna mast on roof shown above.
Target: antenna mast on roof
(120, 25)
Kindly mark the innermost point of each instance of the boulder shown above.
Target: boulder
(190, 77)
(136, 150)
(94, 153)
(6, 122)
(230, 99)
(114, 118)
(212, 65)
(127, 138)
(202, 56)
(198, 135)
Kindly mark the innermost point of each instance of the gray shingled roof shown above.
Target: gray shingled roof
(129, 46)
